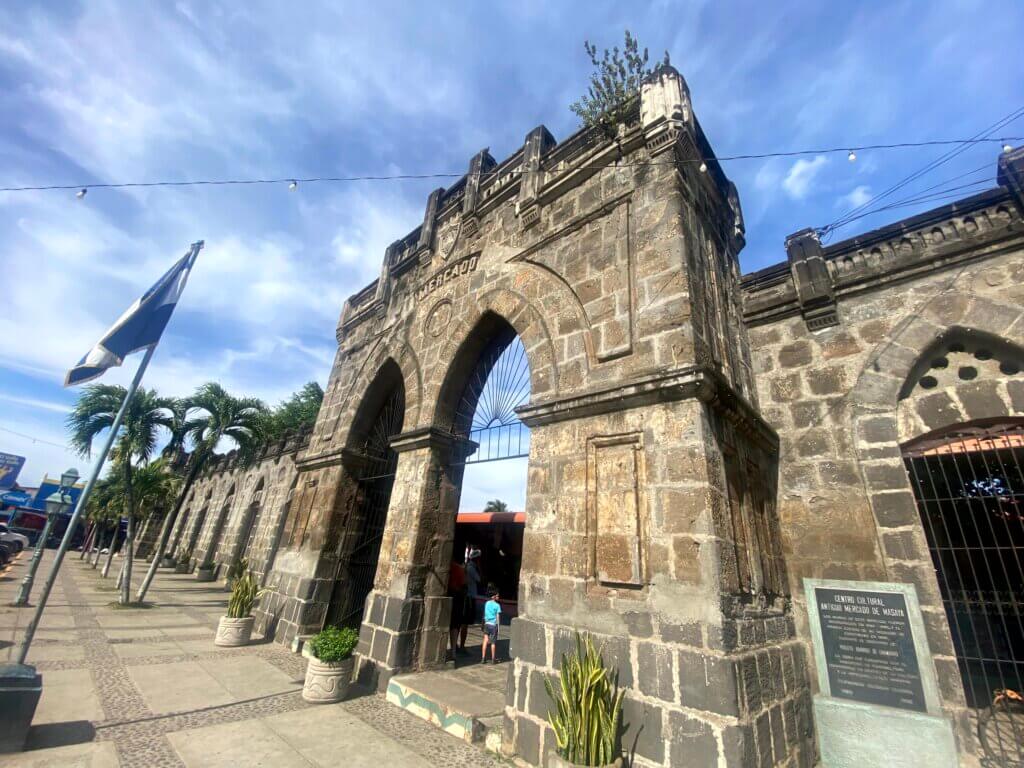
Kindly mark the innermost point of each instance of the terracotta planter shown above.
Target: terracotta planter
(206, 573)
(182, 567)
(327, 683)
(233, 632)
(168, 562)
(555, 761)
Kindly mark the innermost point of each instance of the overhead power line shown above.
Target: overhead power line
(866, 207)
(34, 439)
(293, 181)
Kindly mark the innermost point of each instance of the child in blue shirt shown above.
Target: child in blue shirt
(492, 619)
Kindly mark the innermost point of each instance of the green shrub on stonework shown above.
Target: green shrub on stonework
(334, 644)
(614, 84)
(587, 712)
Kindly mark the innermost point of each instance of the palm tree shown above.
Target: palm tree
(216, 415)
(104, 510)
(147, 415)
(496, 505)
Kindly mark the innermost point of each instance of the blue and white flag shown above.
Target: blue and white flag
(138, 328)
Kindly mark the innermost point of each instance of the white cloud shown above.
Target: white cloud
(373, 223)
(801, 175)
(31, 402)
(505, 480)
(855, 198)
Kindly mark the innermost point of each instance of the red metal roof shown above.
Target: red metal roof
(491, 517)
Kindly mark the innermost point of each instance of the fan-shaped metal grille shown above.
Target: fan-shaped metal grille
(499, 384)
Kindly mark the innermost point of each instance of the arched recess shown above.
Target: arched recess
(218, 530)
(360, 516)
(250, 525)
(393, 351)
(890, 409)
(500, 307)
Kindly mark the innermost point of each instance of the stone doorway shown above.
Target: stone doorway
(374, 464)
(968, 482)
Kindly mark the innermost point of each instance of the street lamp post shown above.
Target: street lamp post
(56, 503)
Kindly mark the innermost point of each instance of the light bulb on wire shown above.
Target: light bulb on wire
(293, 185)
(1007, 148)
(703, 167)
(852, 156)
(81, 193)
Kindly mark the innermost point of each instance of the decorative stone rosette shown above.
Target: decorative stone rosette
(327, 683)
(233, 632)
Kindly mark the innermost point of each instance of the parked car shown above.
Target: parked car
(18, 541)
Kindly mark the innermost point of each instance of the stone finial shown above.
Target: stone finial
(665, 108)
(538, 142)
(429, 220)
(1010, 174)
(739, 230)
(481, 163)
(811, 279)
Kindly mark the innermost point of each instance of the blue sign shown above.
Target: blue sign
(10, 466)
(15, 499)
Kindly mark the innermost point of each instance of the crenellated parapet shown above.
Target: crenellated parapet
(815, 277)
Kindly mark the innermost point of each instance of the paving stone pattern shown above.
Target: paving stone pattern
(139, 733)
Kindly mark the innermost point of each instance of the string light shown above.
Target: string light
(852, 156)
(703, 167)
(81, 193)
(1007, 148)
(293, 183)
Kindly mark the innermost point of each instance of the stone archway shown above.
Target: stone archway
(416, 552)
(615, 263)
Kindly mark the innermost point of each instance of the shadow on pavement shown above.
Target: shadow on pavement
(60, 734)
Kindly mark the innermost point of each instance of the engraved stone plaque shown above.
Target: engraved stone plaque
(869, 648)
(869, 644)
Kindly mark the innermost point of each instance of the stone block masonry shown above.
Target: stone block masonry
(700, 442)
(926, 335)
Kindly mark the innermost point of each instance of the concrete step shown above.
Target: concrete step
(468, 704)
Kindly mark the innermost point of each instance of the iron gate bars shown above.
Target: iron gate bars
(969, 488)
(486, 413)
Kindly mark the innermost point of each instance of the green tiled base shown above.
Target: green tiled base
(457, 724)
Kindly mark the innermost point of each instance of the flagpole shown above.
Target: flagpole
(80, 506)
(30, 630)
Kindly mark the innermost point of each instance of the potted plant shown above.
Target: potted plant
(329, 672)
(236, 627)
(184, 564)
(587, 716)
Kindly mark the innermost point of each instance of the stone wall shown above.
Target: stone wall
(650, 514)
(865, 345)
(236, 510)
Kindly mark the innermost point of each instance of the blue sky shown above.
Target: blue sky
(104, 92)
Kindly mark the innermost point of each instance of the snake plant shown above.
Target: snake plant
(244, 593)
(588, 708)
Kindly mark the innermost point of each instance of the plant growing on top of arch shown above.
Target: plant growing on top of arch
(614, 84)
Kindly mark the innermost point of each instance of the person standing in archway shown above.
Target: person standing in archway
(457, 593)
(473, 587)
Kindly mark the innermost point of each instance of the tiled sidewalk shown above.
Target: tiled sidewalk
(147, 687)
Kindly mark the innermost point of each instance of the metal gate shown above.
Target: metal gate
(377, 476)
(486, 413)
(969, 487)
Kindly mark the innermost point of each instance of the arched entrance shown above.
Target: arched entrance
(490, 493)
(373, 464)
(968, 482)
